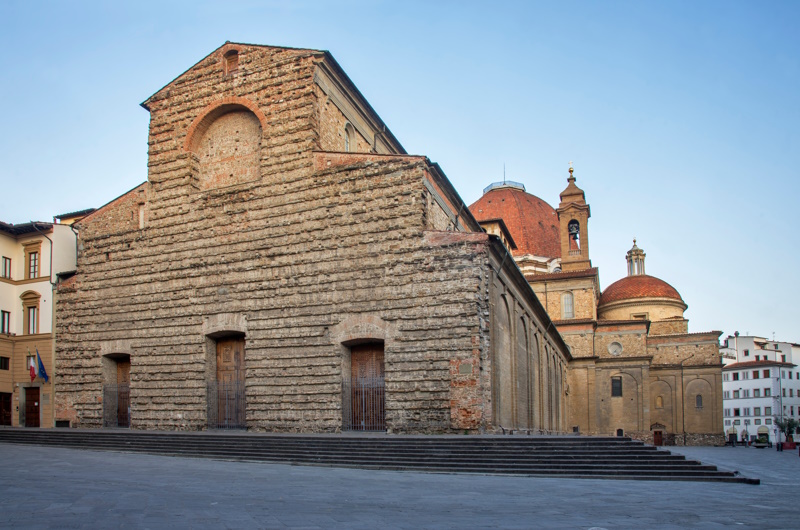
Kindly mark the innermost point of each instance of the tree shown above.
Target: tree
(787, 426)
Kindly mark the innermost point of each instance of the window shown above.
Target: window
(727, 422)
(231, 59)
(746, 411)
(33, 320)
(756, 411)
(767, 411)
(726, 377)
(735, 394)
(736, 412)
(567, 306)
(745, 375)
(33, 265)
(4, 363)
(757, 421)
(791, 392)
(616, 387)
(30, 314)
(747, 353)
(639, 316)
(737, 422)
(766, 374)
(791, 410)
(767, 392)
(5, 271)
(5, 322)
(735, 376)
(349, 138)
(756, 392)
(746, 393)
(783, 374)
(698, 401)
(784, 392)
(768, 421)
(755, 374)
(726, 394)
(783, 358)
(757, 358)
(726, 413)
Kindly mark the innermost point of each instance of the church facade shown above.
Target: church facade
(635, 369)
(288, 267)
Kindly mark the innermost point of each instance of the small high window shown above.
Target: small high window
(616, 387)
(747, 353)
(349, 138)
(567, 306)
(698, 401)
(231, 60)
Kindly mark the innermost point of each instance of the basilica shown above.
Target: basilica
(288, 267)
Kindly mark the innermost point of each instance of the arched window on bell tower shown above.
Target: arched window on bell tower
(574, 230)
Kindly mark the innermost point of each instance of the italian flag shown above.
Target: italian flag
(33, 369)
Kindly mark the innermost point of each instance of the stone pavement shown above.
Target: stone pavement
(43, 487)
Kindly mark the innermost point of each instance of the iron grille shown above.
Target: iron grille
(226, 405)
(363, 406)
(116, 405)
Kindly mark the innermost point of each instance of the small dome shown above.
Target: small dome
(532, 222)
(638, 286)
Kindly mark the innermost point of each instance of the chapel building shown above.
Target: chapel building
(287, 266)
(635, 368)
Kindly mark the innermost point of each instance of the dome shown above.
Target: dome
(532, 222)
(638, 286)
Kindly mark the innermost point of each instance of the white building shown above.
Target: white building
(32, 256)
(760, 381)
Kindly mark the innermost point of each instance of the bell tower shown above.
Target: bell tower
(573, 218)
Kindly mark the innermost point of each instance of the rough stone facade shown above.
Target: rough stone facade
(255, 224)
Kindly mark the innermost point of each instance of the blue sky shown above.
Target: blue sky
(681, 118)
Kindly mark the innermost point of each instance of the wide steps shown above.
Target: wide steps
(557, 456)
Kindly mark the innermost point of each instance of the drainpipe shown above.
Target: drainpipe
(52, 323)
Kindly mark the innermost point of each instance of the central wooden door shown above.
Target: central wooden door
(5, 408)
(32, 406)
(367, 396)
(124, 392)
(230, 383)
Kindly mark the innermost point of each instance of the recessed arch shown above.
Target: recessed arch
(213, 111)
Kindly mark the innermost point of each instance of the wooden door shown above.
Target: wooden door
(367, 401)
(230, 383)
(32, 406)
(5, 408)
(123, 392)
(658, 438)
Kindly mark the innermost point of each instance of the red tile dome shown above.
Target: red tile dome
(638, 286)
(532, 222)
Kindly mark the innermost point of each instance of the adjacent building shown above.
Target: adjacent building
(761, 382)
(33, 256)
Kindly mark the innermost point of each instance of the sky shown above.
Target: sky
(680, 118)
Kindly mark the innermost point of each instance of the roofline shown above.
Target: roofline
(145, 104)
(504, 228)
(361, 100)
(77, 223)
(22, 229)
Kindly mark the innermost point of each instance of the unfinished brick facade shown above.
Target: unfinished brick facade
(261, 222)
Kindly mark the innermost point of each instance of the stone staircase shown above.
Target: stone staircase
(552, 456)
